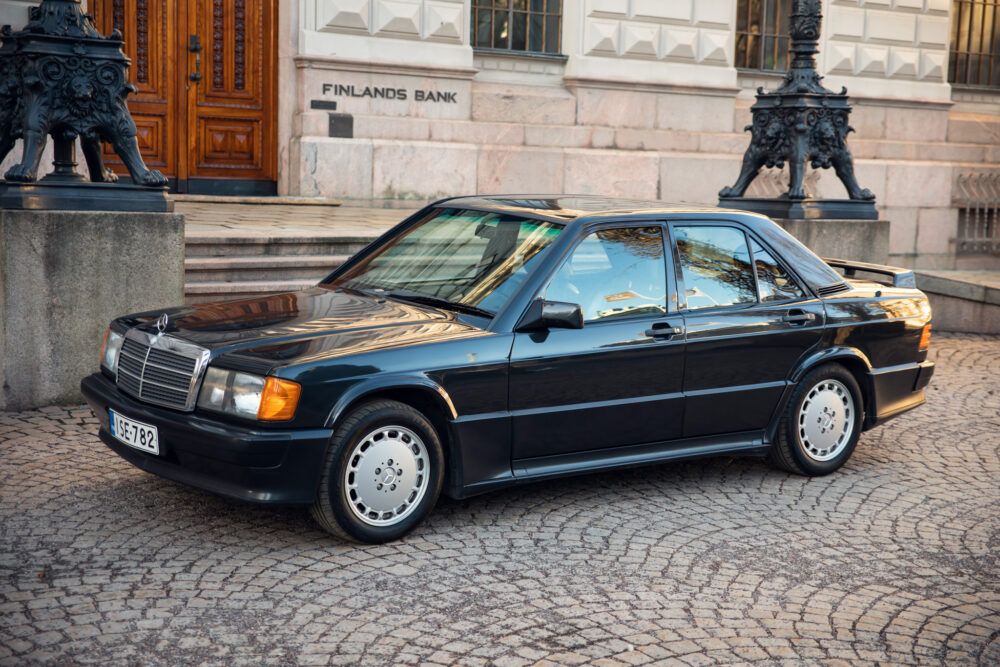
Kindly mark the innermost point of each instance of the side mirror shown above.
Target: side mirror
(542, 314)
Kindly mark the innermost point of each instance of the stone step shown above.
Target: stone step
(255, 245)
(199, 269)
(219, 290)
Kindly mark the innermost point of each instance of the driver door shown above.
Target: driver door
(618, 380)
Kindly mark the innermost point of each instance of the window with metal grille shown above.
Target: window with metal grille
(762, 34)
(975, 43)
(530, 26)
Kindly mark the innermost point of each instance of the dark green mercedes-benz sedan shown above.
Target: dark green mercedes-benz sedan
(488, 341)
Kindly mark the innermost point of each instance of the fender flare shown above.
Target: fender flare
(829, 354)
(382, 383)
(813, 360)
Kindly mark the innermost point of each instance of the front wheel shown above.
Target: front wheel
(382, 473)
(821, 424)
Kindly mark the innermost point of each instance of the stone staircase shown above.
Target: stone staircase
(242, 249)
(229, 267)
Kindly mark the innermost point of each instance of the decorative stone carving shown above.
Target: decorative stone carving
(62, 77)
(801, 122)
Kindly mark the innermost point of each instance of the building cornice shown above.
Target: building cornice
(347, 65)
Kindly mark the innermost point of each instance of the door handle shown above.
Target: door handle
(194, 46)
(663, 330)
(798, 317)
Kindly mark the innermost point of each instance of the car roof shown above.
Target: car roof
(571, 208)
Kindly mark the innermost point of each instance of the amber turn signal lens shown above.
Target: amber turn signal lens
(925, 337)
(278, 400)
(104, 346)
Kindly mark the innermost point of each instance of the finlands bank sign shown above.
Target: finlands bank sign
(389, 93)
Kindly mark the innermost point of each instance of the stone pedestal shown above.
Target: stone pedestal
(858, 240)
(63, 277)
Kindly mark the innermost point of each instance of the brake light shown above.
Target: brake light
(925, 337)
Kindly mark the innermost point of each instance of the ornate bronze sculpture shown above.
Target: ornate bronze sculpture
(801, 122)
(60, 76)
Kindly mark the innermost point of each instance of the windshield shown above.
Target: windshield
(471, 258)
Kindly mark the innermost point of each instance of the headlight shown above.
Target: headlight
(109, 351)
(248, 396)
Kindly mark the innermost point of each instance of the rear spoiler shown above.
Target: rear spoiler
(898, 277)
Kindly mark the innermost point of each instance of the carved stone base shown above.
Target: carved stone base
(858, 240)
(52, 195)
(804, 209)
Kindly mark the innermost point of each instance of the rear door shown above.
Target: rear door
(617, 381)
(748, 321)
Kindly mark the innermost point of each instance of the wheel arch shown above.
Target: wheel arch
(420, 393)
(852, 359)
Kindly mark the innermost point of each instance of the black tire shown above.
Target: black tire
(792, 449)
(336, 511)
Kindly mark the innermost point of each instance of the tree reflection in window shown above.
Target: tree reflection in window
(715, 264)
(774, 283)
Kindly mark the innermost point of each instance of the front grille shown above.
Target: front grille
(156, 376)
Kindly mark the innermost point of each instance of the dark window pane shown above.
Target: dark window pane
(741, 51)
(537, 5)
(552, 34)
(500, 35)
(552, 7)
(755, 15)
(483, 28)
(781, 63)
(536, 33)
(519, 31)
(768, 62)
(753, 51)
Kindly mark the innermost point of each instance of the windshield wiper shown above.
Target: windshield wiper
(440, 303)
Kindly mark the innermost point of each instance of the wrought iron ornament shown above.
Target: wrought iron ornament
(800, 122)
(60, 76)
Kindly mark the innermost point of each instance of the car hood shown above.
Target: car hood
(298, 326)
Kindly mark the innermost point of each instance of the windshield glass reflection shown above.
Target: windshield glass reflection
(472, 258)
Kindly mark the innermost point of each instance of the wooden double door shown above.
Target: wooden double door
(206, 73)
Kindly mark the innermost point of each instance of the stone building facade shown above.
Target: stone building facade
(393, 102)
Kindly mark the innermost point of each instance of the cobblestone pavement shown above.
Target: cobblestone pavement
(895, 558)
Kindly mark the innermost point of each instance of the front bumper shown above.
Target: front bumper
(260, 465)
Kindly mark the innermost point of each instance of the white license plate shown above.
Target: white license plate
(133, 433)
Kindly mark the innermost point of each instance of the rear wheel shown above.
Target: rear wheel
(382, 473)
(821, 424)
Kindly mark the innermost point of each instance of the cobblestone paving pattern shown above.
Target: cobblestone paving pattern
(895, 558)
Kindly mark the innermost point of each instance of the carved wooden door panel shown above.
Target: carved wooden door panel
(232, 107)
(149, 28)
(206, 73)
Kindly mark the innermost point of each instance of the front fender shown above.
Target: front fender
(382, 383)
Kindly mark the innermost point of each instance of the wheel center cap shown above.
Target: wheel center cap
(828, 421)
(389, 477)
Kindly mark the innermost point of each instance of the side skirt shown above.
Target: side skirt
(748, 443)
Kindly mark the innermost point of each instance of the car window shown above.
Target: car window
(463, 256)
(614, 273)
(715, 265)
(773, 282)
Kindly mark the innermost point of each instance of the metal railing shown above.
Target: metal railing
(977, 198)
